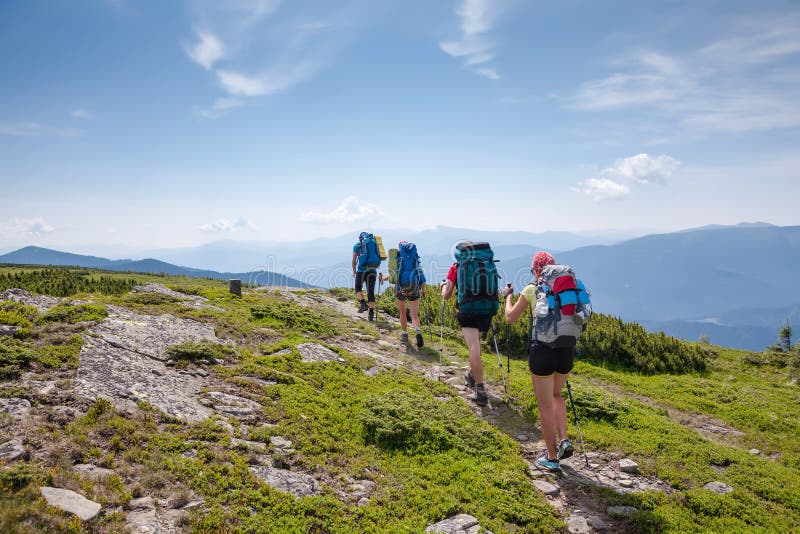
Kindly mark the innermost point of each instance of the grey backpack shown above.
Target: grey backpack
(562, 308)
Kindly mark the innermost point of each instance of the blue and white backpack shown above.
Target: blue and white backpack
(562, 308)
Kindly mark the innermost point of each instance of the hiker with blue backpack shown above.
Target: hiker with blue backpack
(367, 258)
(561, 306)
(405, 272)
(473, 277)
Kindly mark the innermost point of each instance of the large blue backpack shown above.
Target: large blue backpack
(476, 279)
(409, 272)
(368, 256)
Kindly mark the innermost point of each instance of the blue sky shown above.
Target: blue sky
(142, 124)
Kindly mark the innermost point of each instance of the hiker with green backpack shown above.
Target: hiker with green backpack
(405, 272)
(561, 307)
(367, 258)
(473, 277)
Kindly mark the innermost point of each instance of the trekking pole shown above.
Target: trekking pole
(441, 336)
(500, 363)
(577, 423)
(427, 317)
(508, 344)
(380, 285)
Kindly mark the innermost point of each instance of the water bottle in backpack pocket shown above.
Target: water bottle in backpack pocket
(568, 307)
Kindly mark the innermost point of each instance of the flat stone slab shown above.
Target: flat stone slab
(15, 407)
(546, 487)
(298, 484)
(314, 352)
(11, 450)
(71, 502)
(458, 524)
(150, 335)
(621, 511)
(718, 487)
(143, 522)
(577, 524)
(40, 302)
(628, 466)
(8, 330)
(126, 377)
(92, 471)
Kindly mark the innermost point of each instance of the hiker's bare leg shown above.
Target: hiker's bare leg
(560, 405)
(473, 339)
(401, 308)
(414, 305)
(543, 389)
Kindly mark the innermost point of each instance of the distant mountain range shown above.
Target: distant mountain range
(734, 284)
(44, 256)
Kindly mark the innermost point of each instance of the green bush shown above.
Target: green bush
(14, 357)
(418, 423)
(63, 282)
(64, 313)
(611, 341)
(151, 298)
(279, 314)
(18, 476)
(203, 350)
(17, 314)
(66, 352)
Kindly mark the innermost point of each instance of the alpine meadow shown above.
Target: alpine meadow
(457, 267)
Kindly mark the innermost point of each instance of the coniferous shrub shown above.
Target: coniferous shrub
(63, 282)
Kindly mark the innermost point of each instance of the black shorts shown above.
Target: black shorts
(369, 277)
(410, 297)
(544, 361)
(482, 322)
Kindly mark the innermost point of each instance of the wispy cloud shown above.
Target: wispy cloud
(224, 225)
(206, 51)
(81, 114)
(34, 227)
(735, 84)
(266, 49)
(616, 181)
(34, 129)
(477, 17)
(349, 211)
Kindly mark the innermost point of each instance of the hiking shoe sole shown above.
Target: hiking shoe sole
(420, 341)
(480, 399)
(565, 449)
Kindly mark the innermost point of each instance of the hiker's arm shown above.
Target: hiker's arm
(355, 260)
(514, 312)
(447, 289)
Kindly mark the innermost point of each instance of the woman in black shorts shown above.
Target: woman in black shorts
(550, 368)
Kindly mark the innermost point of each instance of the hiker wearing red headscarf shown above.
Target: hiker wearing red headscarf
(550, 368)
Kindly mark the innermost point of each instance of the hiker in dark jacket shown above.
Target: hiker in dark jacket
(364, 275)
(550, 368)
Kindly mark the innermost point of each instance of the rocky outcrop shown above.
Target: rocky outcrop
(458, 524)
(71, 502)
(40, 302)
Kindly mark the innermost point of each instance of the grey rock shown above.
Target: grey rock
(522, 437)
(142, 503)
(194, 504)
(596, 523)
(373, 371)
(8, 330)
(718, 487)
(143, 522)
(546, 487)
(621, 511)
(314, 352)
(256, 446)
(191, 453)
(297, 484)
(628, 466)
(626, 483)
(11, 450)
(92, 471)
(577, 524)
(235, 411)
(755, 452)
(40, 302)
(279, 442)
(16, 408)
(385, 344)
(458, 524)
(362, 501)
(71, 502)
(233, 400)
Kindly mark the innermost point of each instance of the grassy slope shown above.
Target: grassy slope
(323, 409)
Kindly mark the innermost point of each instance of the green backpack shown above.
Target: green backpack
(476, 279)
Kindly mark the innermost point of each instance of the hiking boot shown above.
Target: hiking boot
(362, 307)
(469, 379)
(550, 465)
(420, 341)
(565, 449)
(480, 398)
(371, 314)
(404, 337)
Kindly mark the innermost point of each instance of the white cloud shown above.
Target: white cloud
(349, 211)
(599, 189)
(224, 225)
(34, 129)
(237, 83)
(207, 51)
(82, 114)
(34, 227)
(477, 18)
(641, 169)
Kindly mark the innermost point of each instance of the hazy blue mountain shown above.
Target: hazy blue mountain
(42, 256)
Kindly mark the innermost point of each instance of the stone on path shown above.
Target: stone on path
(718, 487)
(16, 408)
(142, 516)
(596, 523)
(458, 524)
(8, 330)
(92, 471)
(628, 466)
(314, 352)
(621, 511)
(11, 450)
(546, 487)
(577, 524)
(71, 502)
(298, 484)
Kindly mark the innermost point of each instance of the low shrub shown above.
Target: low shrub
(15, 356)
(65, 313)
(278, 314)
(202, 350)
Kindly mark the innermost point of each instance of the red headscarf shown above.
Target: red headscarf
(540, 259)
